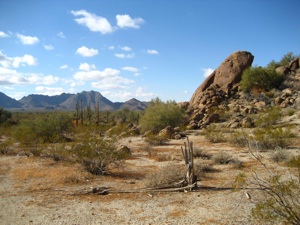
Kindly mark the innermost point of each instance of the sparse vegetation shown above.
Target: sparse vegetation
(214, 134)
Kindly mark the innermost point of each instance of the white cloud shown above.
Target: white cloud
(48, 47)
(140, 93)
(15, 62)
(152, 52)
(28, 40)
(126, 48)
(112, 47)
(12, 77)
(95, 74)
(65, 66)
(131, 69)
(3, 34)
(126, 21)
(61, 35)
(124, 56)
(49, 90)
(87, 52)
(207, 71)
(115, 82)
(86, 66)
(93, 22)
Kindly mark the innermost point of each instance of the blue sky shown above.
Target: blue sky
(135, 48)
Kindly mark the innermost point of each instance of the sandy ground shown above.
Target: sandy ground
(41, 191)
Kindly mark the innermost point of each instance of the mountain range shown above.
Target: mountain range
(68, 102)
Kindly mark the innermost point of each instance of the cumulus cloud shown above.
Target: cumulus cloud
(112, 47)
(207, 71)
(49, 90)
(140, 93)
(95, 74)
(3, 34)
(16, 62)
(87, 52)
(65, 66)
(124, 21)
(86, 66)
(48, 47)
(115, 82)
(28, 40)
(13, 77)
(152, 52)
(61, 35)
(124, 56)
(93, 22)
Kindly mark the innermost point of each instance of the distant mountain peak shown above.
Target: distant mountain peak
(67, 101)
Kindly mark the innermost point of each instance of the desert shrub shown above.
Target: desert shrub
(200, 153)
(239, 138)
(159, 115)
(125, 116)
(281, 202)
(213, 134)
(239, 181)
(262, 79)
(49, 128)
(96, 155)
(154, 139)
(290, 111)
(280, 155)
(222, 158)
(165, 177)
(5, 147)
(5, 116)
(268, 117)
(272, 138)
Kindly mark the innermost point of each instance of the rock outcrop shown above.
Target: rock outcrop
(220, 85)
(227, 76)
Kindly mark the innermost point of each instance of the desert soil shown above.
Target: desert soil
(42, 191)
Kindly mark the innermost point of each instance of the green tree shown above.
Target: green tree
(160, 114)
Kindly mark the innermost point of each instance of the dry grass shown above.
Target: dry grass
(41, 174)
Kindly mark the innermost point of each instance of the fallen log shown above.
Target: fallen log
(105, 190)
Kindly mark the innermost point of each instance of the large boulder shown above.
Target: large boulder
(218, 87)
(227, 76)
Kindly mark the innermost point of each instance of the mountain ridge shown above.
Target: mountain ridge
(67, 101)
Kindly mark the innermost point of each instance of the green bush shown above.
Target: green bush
(159, 115)
(46, 128)
(260, 78)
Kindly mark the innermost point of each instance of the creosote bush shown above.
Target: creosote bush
(96, 154)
